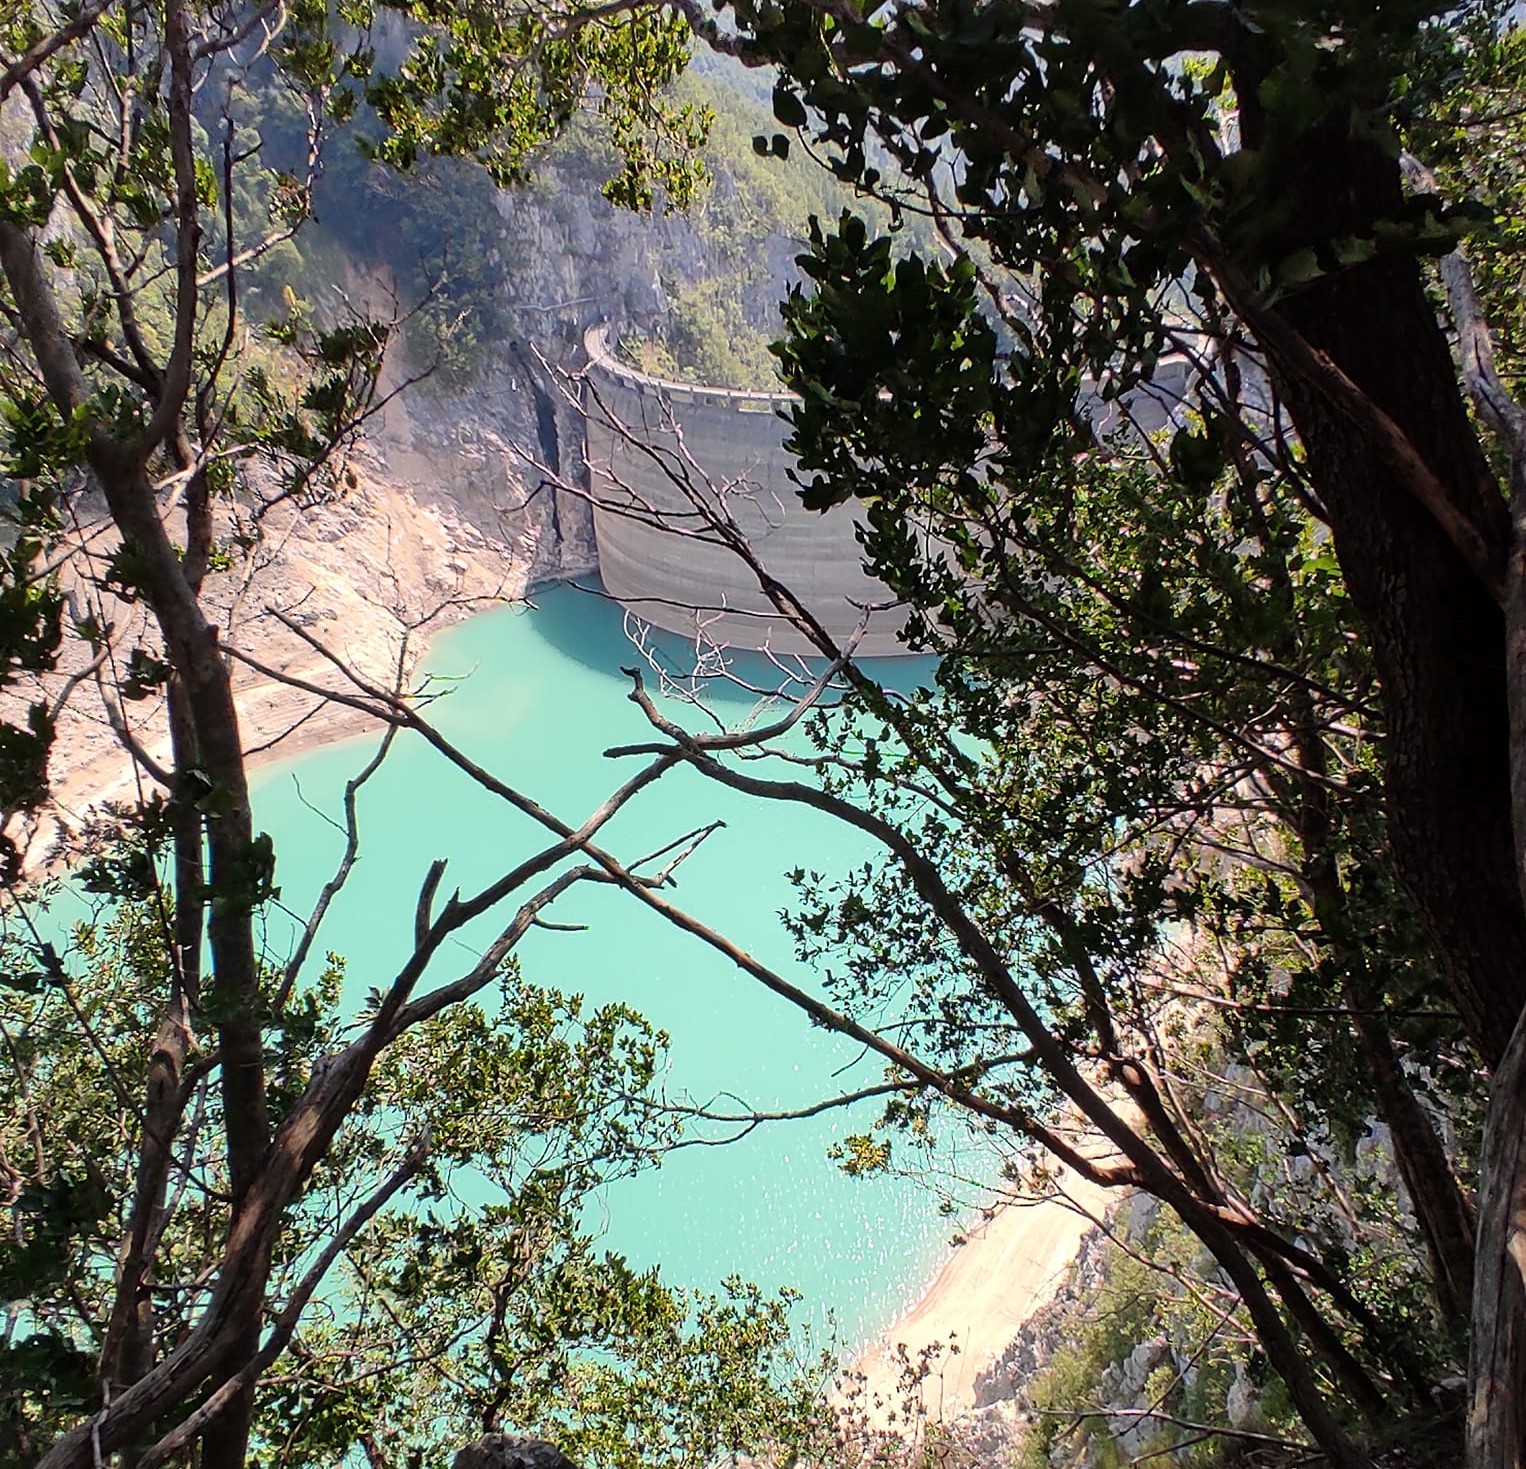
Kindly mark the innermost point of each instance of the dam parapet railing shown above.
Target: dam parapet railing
(602, 354)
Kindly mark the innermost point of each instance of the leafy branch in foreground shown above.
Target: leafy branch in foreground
(1151, 767)
(473, 1300)
(249, 1221)
(1122, 185)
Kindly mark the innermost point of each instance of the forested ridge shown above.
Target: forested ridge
(1199, 863)
(695, 288)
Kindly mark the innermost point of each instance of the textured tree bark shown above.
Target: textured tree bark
(1437, 635)
(206, 717)
(1454, 694)
(204, 692)
(127, 1349)
(1497, 1358)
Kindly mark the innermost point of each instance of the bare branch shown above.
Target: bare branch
(286, 1323)
(335, 884)
(40, 52)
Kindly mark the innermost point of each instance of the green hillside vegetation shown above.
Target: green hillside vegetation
(438, 238)
(718, 326)
(705, 339)
(433, 236)
(755, 216)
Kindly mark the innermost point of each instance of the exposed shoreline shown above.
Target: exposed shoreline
(1007, 1265)
(364, 584)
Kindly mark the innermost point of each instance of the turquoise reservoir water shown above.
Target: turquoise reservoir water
(540, 697)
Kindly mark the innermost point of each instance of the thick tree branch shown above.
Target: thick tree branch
(40, 52)
(242, 1382)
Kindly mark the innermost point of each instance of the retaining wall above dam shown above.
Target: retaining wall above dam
(664, 457)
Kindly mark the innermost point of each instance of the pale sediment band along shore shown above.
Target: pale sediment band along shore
(1007, 1266)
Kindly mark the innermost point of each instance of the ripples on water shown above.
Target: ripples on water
(539, 697)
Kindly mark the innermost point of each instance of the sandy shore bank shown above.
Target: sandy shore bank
(1007, 1266)
(371, 579)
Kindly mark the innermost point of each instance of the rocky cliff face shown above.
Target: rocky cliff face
(571, 258)
(448, 512)
(1122, 1386)
(502, 459)
(1143, 1335)
(466, 494)
(488, 448)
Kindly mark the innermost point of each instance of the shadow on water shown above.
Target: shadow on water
(539, 697)
(584, 623)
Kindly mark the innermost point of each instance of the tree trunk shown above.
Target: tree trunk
(1441, 1208)
(1445, 1220)
(1497, 1356)
(1449, 689)
(1437, 635)
(203, 699)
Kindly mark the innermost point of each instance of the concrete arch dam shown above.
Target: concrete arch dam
(661, 455)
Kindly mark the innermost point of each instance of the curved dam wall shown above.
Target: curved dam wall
(660, 455)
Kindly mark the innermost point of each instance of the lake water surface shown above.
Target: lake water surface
(540, 696)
